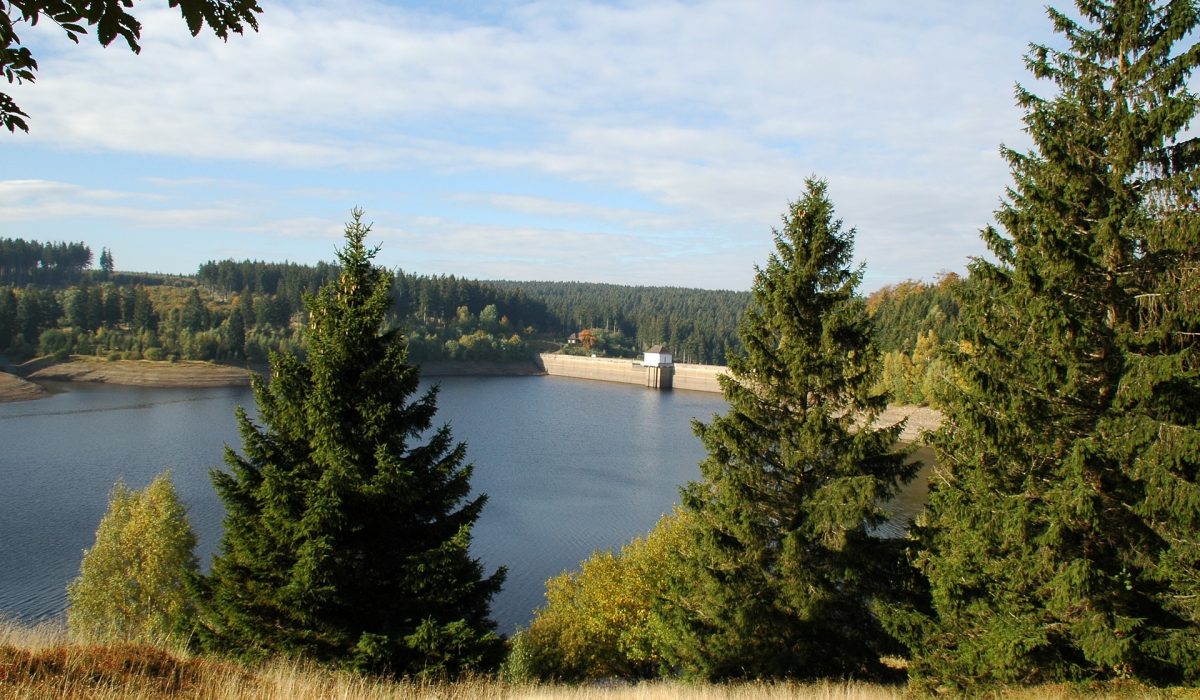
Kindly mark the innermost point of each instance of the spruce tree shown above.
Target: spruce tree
(346, 536)
(1061, 538)
(780, 574)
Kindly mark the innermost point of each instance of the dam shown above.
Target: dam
(649, 372)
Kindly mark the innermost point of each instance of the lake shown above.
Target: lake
(569, 466)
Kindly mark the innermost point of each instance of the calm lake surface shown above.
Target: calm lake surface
(569, 466)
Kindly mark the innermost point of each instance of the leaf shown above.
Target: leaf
(193, 14)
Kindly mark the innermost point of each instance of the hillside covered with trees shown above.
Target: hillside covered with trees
(238, 312)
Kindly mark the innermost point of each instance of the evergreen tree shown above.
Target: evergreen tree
(8, 317)
(138, 581)
(346, 540)
(1061, 538)
(106, 262)
(112, 307)
(143, 316)
(783, 567)
(195, 314)
(235, 330)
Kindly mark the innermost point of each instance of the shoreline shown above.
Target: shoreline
(14, 388)
(196, 374)
(21, 383)
(183, 374)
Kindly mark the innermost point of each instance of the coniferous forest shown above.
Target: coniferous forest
(1061, 539)
(238, 312)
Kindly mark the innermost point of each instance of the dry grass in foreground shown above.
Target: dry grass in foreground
(41, 662)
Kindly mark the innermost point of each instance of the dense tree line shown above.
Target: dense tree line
(33, 262)
(902, 313)
(914, 322)
(244, 309)
(286, 282)
(441, 296)
(698, 325)
(142, 322)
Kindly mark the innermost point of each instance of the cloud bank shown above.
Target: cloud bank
(648, 143)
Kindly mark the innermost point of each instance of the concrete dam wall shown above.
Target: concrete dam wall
(632, 371)
(699, 377)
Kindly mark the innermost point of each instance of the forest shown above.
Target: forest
(1056, 551)
(239, 311)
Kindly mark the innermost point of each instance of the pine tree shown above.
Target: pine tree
(346, 539)
(783, 566)
(235, 333)
(106, 262)
(1061, 538)
(8, 317)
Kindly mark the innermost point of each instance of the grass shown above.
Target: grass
(42, 662)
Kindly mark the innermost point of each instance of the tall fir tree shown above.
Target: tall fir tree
(782, 568)
(1061, 537)
(106, 262)
(346, 538)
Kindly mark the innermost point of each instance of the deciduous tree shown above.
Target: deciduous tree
(110, 19)
(138, 581)
(597, 622)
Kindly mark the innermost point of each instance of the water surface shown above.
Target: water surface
(569, 466)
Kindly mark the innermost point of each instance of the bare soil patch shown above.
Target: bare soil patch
(920, 419)
(13, 388)
(145, 373)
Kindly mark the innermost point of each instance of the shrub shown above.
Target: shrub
(137, 582)
(597, 621)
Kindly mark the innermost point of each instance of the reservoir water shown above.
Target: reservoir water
(569, 466)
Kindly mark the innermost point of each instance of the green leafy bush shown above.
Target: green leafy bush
(137, 582)
(597, 621)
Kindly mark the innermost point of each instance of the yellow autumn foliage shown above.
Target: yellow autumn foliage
(597, 621)
(136, 582)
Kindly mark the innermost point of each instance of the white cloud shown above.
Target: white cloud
(707, 114)
(23, 201)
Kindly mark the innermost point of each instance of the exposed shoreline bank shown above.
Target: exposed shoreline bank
(191, 374)
(183, 374)
(21, 382)
(14, 388)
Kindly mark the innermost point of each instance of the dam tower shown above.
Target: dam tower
(660, 369)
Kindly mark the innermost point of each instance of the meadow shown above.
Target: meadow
(41, 662)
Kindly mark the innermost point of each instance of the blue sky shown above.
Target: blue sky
(634, 143)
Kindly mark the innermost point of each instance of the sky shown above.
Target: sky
(648, 142)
